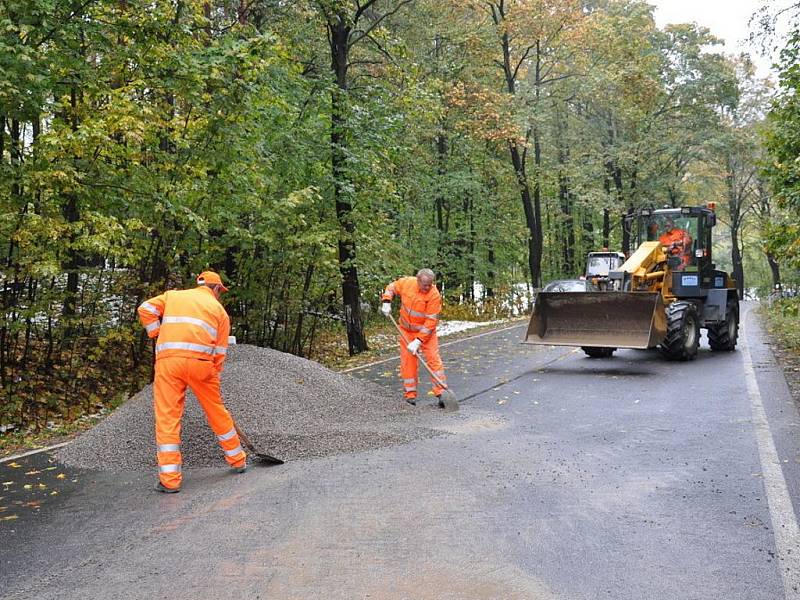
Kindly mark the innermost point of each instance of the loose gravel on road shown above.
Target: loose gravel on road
(288, 406)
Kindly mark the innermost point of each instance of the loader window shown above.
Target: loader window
(678, 235)
(598, 265)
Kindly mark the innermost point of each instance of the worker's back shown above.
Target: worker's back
(192, 324)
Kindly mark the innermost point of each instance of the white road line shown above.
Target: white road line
(24, 454)
(784, 524)
(466, 339)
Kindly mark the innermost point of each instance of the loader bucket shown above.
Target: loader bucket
(600, 319)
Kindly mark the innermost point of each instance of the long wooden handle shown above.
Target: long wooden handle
(418, 355)
(243, 438)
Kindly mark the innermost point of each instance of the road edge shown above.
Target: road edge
(781, 510)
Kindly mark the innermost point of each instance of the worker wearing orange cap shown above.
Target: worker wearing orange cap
(420, 305)
(192, 329)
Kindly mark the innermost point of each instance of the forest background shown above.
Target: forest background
(313, 150)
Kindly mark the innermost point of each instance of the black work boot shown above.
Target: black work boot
(241, 468)
(441, 402)
(160, 487)
(412, 401)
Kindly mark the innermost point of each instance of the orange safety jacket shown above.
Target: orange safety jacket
(682, 241)
(189, 323)
(418, 312)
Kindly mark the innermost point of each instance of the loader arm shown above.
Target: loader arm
(632, 316)
(645, 269)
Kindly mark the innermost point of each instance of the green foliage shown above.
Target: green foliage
(783, 319)
(782, 168)
(144, 141)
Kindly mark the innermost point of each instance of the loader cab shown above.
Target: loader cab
(685, 234)
(600, 264)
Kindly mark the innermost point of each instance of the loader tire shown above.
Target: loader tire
(723, 336)
(683, 331)
(596, 352)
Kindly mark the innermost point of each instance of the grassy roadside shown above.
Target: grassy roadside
(58, 431)
(782, 319)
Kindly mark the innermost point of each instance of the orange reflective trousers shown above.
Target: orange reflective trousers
(173, 375)
(409, 365)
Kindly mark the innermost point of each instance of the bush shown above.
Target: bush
(783, 322)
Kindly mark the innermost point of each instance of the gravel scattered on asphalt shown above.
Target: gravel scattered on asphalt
(288, 406)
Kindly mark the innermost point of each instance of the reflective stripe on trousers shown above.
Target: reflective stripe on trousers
(227, 435)
(173, 375)
(409, 365)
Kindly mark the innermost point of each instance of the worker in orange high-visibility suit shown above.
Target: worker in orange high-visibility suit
(192, 329)
(678, 242)
(420, 305)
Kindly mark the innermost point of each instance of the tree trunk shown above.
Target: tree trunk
(536, 232)
(626, 234)
(736, 260)
(588, 231)
(469, 288)
(530, 206)
(339, 33)
(491, 272)
(527, 207)
(735, 202)
(775, 268)
(565, 200)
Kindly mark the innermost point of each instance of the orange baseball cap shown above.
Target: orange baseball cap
(212, 278)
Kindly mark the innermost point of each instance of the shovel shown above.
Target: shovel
(448, 398)
(260, 456)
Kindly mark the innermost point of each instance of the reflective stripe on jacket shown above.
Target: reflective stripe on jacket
(190, 323)
(418, 312)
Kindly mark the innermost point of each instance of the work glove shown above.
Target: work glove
(413, 347)
(386, 308)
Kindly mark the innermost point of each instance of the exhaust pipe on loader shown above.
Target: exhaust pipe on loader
(598, 319)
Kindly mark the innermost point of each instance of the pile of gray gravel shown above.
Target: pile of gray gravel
(288, 406)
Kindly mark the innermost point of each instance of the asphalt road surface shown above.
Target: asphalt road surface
(562, 477)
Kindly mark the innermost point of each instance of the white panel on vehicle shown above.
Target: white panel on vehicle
(689, 280)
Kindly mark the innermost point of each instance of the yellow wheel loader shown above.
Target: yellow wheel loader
(661, 296)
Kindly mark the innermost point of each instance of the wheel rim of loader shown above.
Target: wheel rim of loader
(690, 332)
(733, 326)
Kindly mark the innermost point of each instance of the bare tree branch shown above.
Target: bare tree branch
(381, 49)
(357, 34)
(522, 60)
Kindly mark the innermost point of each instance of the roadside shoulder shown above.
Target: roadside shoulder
(782, 325)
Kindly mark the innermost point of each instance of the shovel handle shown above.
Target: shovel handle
(243, 438)
(418, 355)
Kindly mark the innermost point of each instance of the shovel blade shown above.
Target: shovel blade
(450, 401)
(266, 459)
(600, 319)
